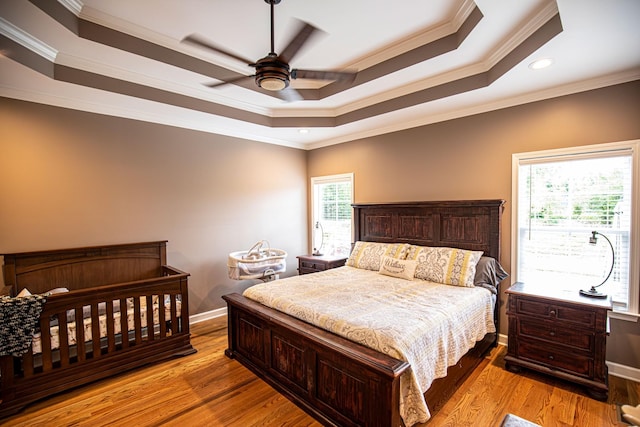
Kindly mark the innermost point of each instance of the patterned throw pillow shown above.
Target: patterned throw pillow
(402, 268)
(449, 266)
(367, 255)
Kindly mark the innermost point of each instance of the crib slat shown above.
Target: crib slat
(174, 317)
(111, 335)
(95, 330)
(123, 323)
(63, 338)
(150, 328)
(137, 320)
(82, 355)
(45, 336)
(161, 316)
(27, 364)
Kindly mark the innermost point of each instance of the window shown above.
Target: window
(331, 214)
(560, 197)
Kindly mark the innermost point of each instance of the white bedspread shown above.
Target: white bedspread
(429, 325)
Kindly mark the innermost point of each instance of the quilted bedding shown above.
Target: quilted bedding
(429, 325)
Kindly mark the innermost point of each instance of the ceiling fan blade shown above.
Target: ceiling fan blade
(230, 81)
(196, 40)
(289, 94)
(344, 76)
(304, 33)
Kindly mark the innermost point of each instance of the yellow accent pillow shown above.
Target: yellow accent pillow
(449, 266)
(367, 255)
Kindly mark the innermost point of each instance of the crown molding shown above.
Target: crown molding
(199, 124)
(74, 6)
(25, 39)
(81, 63)
(414, 40)
(522, 32)
(203, 123)
(558, 91)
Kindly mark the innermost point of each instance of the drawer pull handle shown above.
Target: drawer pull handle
(551, 357)
(552, 333)
(552, 312)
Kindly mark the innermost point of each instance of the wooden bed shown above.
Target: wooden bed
(98, 278)
(340, 382)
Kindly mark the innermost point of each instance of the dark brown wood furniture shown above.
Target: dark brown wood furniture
(333, 379)
(558, 332)
(314, 263)
(95, 276)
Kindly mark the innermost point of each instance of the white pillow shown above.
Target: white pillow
(403, 269)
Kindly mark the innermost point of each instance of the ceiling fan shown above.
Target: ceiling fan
(273, 72)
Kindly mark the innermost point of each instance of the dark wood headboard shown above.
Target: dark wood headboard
(464, 224)
(81, 268)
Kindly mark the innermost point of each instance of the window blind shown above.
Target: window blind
(561, 200)
(333, 196)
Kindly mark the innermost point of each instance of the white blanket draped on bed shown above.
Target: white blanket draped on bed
(429, 325)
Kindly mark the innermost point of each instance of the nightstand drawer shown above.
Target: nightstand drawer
(555, 357)
(315, 263)
(551, 331)
(316, 266)
(556, 312)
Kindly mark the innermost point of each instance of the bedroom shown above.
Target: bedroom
(72, 178)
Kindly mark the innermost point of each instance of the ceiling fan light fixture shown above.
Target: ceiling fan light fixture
(271, 73)
(273, 83)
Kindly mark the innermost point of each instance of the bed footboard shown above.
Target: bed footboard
(335, 380)
(72, 354)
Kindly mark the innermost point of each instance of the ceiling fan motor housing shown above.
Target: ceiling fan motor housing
(271, 73)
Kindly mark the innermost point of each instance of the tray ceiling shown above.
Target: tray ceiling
(417, 62)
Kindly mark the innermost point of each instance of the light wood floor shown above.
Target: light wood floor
(208, 389)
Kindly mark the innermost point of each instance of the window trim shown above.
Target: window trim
(327, 179)
(598, 150)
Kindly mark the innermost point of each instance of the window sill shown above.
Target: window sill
(623, 315)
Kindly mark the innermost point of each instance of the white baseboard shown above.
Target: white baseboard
(503, 339)
(207, 315)
(624, 371)
(615, 369)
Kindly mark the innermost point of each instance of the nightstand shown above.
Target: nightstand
(560, 333)
(314, 263)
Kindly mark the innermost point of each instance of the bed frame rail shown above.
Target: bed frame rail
(308, 366)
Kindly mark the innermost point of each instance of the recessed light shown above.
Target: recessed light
(303, 130)
(541, 63)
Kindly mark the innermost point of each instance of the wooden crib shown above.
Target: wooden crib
(124, 294)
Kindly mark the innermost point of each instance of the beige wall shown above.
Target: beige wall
(69, 179)
(470, 158)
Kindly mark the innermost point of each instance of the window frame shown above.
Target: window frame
(631, 147)
(327, 179)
